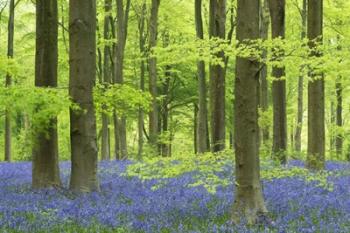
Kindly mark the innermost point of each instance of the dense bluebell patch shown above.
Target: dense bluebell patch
(131, 205)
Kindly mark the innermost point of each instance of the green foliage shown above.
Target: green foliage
(207, 168)
(120, 98)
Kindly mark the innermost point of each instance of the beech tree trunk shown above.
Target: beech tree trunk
(217, 21)
(122, 29)
(249, 201)
(8, 82)
(299, 126)
(45, 152)
(107, 79)
(82, 56)
(202, 115)
(339, 118)
(264, 98)
(277, 12)
(142, 43)
(316, 102)
(152, 67)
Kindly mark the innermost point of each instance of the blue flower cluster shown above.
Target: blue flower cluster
(127, 204)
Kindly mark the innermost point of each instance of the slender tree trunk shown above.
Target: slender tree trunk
(217, 21)
(152, 66)
(122, 27)
(107, 79)
(339, 118)
(299, 126)
(10, 42)
(45, 152)
(202, 117)
(142, 42)
(332, 128)
(195, 127)
(82, 80)
(116, 137)
(316, 102)
(264, 99)
(277, 12)
(249, 201)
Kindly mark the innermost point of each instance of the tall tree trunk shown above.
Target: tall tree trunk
(264, 99)
(277, 12)
(122, 27)
(142, 43)
(152, 66)
(45, 152)
(299, 126)
(217, 21)
(202, 116)
(107, 79)
(249, 201)
(339, 118)
(332, 128)
(82, 80)
(316, 108)
(10, 42)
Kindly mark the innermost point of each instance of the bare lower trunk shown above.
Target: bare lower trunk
(249, 201)
(264, 99)
(122, 30)
(45, 152)
(217, 20)
(202, 117)
(82, 80)
(107, 79)
(299, 126)
(10, 41)
(339, 119)
(316, 102)
(116, 137)
(277, 12)
(142, 42)
(152, 67)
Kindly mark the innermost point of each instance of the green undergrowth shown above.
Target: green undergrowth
(214, 170)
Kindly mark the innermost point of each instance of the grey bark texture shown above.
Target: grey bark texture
(142, 43)
(299, 126)
(249, 201)
(217, 22)
(277, 12)
(264, 85)
(202, 115)
(82, 54)
(153, 77)
(316, 97)
(45, 152)
(107, 79)
(8, 82)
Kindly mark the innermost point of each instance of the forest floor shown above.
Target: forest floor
(134, 198)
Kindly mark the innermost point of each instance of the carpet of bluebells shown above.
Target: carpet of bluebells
(128, 204)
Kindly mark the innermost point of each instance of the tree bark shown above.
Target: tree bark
(202, 116)
(122, 29)
(264, 99)
(45, 152)
(217, 21)
(316, 102)
(299, 126)
(8, 82)
(142, 43)
(107, 79)
(339, 118)
(152, 66)
(82, 53)
(249, 201)
(277, 12)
